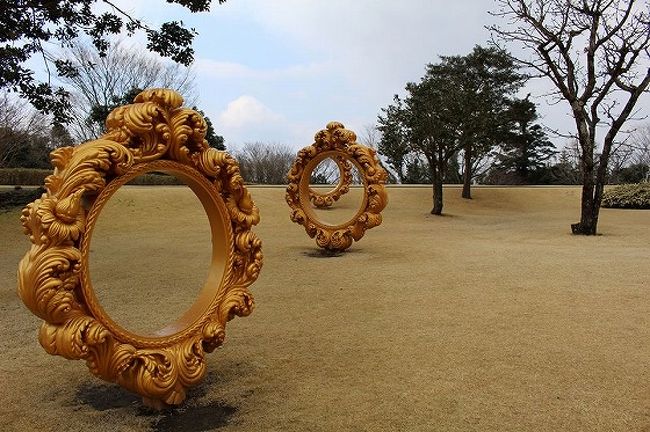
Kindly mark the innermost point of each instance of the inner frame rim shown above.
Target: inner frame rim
(304, 187)
(339, 185)
(221, 238)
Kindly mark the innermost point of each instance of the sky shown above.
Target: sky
(278, 71)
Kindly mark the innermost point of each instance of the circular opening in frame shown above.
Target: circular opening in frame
(158, 253)
(322, 175)
(330, 177)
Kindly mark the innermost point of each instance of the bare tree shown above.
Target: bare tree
(640, 142)
(630, 161)
(326, 172)
(370, 136)
(21, 128)
(13, 115)
(265, 163)
(101, 81)
(622, 155)
(566, 169)
(595, 53)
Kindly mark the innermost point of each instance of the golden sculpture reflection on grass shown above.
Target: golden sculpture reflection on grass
(337, 143)
(153, 134)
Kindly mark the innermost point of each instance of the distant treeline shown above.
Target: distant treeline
(36, 177)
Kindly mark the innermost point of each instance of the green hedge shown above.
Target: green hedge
(36, 177)
(633, 196)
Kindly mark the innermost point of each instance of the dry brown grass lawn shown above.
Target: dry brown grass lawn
(491, 318)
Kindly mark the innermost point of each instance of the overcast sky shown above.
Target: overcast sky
(279, 70)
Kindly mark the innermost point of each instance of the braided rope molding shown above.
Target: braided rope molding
(337, 142)
(154, 133)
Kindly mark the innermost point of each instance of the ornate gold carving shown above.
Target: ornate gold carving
(322, 200)
(337, 142)
(154, 133)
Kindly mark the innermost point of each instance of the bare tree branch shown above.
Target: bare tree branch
(602, 82)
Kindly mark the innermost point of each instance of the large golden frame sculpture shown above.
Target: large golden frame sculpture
(336, 142)
(327, 199)
(153, 134)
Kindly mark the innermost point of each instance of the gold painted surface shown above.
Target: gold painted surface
(344, 209)
(337, 142)
(153, 134)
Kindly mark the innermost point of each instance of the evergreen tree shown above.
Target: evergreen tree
(457, 106)
(482, 81)
(525, 148)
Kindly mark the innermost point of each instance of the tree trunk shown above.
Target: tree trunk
(588, 208)
(588, 211)
(437, 192)
(591, 201)
(467, 172)
(589, 216)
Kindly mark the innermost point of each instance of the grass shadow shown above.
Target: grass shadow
(322, 253)
(103, 397)
(192, 416)
(198, 418)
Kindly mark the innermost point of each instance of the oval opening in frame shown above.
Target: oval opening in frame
(322, 175)
(328, 178)
(157, 254)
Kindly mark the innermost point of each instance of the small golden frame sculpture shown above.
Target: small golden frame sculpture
(153, 134)
(322, 200)
(337, 142)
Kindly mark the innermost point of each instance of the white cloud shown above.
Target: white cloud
(246, 119)
(247, 111)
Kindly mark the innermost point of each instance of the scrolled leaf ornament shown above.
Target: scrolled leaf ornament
(337, 143)
(155, 133)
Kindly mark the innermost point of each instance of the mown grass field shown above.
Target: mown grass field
(490, 318)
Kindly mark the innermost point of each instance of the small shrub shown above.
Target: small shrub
(633, 196)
